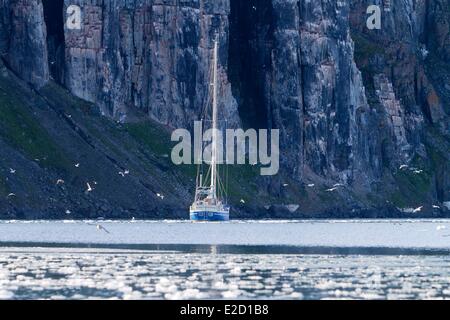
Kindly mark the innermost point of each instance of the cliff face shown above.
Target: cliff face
(406, 71)
(293, 69)
(23, 39)
(353, 105)
(151, 57)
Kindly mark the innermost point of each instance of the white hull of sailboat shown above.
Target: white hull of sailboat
(210, 213)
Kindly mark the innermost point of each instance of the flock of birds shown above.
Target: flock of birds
(90, 187)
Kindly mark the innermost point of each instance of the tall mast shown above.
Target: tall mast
(214, 125)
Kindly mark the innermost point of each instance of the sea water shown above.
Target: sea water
(364, 259)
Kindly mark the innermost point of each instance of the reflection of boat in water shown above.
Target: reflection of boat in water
(209, 203)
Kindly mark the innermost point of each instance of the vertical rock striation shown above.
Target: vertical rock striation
(293, 69)
(337, 117)
(148, 56)
(23, 39)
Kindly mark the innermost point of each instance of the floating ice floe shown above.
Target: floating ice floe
(5, 295)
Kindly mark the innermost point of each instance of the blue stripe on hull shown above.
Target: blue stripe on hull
(209, 216)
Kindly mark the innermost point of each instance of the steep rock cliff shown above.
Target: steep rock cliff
(149, 57)
(23, 39)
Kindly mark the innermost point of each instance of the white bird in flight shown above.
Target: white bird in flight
(12, 171)
(418, 209)
(60, 181)
(161, 196)
(311, 185)
(99, 227)
(11, 195)
(242, 201)
(89, 188)
(102, 228)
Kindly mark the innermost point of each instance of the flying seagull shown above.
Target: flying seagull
(418, 209)
(102, 228)
(99, 227)
(12, 171)
(89, 188)
(60, 181)
(11, 195)
(161, 196)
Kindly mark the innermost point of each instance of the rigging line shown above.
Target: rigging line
(226, 169)
(198, 173)
(223, 189)
(209, 96)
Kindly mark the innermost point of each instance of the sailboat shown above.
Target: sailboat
(209, 203)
